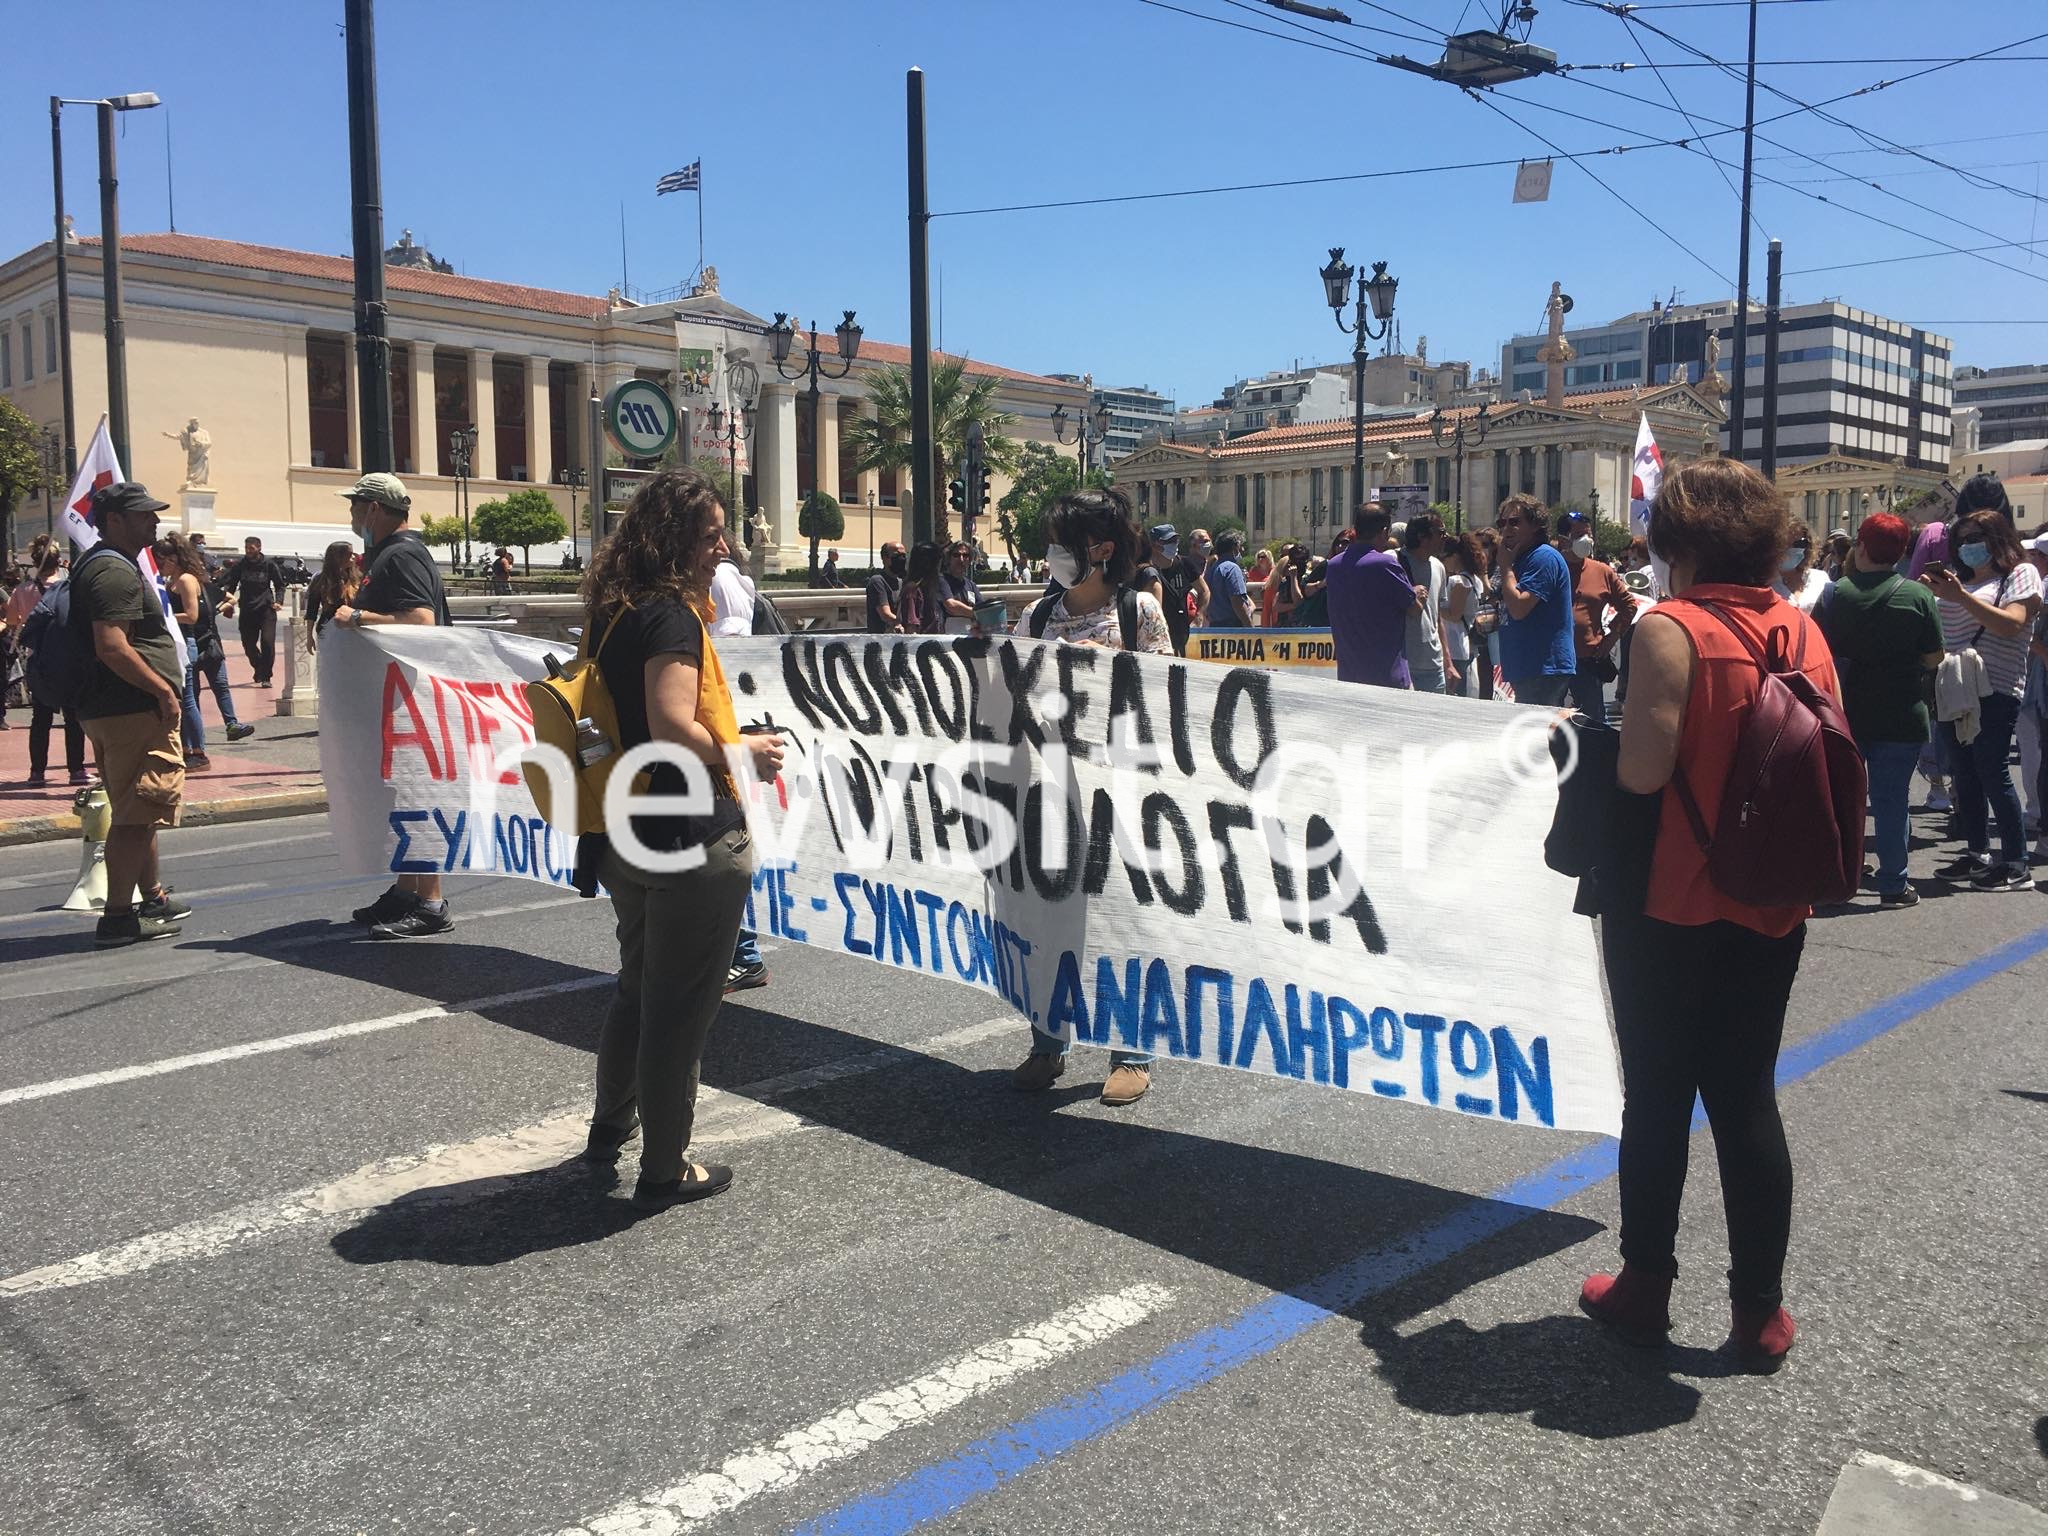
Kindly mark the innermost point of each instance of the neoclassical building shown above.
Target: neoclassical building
(256, 343)
(1292, 482)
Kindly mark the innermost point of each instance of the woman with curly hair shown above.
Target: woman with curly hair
(648, 602)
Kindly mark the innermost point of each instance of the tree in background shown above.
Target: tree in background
(1043, 476)
(882, 441)
(21, 468)
(522, 520)
(820, 519)
(442, 530)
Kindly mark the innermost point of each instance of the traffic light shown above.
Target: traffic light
(956, 495)
(984, 495)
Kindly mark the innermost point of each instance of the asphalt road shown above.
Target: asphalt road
(287, 1245)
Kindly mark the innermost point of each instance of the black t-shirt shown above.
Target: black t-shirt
(259, 583)
(662, 627)
(884, 591)
(402, 576)
(1176, 581)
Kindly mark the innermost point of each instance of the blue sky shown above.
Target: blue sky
(512, 134)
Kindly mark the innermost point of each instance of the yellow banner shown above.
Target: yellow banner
(1278, 650)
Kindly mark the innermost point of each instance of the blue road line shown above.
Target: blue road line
(945, 1486)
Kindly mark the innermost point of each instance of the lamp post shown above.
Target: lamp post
(1378, 290)
(576, 479)
(110, 270)
(1475, 428)
(52, 449)
(733, 428)
(461, 444)
(872, 550)
(1086, 433)
(781, 336)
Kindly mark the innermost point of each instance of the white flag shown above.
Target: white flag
(1646, 478)
(99, 467)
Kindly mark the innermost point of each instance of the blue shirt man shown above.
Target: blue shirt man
(1536, 652)
(1230, 603)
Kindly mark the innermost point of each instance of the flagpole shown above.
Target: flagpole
(700, 219)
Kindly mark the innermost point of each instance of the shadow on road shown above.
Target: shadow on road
(492, 1220)
(1276, 1218)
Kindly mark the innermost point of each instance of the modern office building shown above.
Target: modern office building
(1134, 412)
(2012, 403)
(1850, 383)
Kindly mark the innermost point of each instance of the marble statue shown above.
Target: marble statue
(198, 448)
(1712, 385)
(757, 553)
(1556, 351)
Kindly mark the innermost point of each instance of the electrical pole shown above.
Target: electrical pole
(373, 347)
(1773, 296)
(923, 454)
(63, 294)
(110, 283)
(1737, 394)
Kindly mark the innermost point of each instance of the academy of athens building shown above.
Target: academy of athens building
(257, 344)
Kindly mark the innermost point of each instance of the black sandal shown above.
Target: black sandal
(717, 1178)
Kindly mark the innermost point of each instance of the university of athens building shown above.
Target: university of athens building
(1291, 482)
(256, 343)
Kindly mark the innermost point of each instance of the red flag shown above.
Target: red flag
(99, 467)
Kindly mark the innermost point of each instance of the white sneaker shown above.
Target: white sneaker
(1938, 800)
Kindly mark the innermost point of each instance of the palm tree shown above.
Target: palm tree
(882, 441)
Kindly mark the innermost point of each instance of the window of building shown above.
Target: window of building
(561, 397)
(806, 449)
(1259, 503)
(28, 352)
(1337, 497)
(1315, 487)
(6, 359)
(49, 343)
(451, 404)
(508, 409)
(1242, 504)
(1501, 488)
(849, 472)
(1553, 477)
(327, 400)
(401, 407)
(1525, 470)
(1144, 499)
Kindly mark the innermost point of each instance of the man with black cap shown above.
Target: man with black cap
(401, 585)
(128, 700)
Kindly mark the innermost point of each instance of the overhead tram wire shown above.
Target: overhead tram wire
(1719, 164)
(2001, 58)
(1346, 52)
(1886, 261)
(1485, 99)
(1981, 138)
(1948, 247)
(1871, 136)
(1330, 37)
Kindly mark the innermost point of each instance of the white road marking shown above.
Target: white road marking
(726, 1117)
(850, 1431)
(172, 846)
(276, 1043)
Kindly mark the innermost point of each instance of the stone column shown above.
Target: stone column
(296, 402)
(775, 465)
(483, 398)
(355, 414)
(541, 467)
(426, 437)
(825, 451)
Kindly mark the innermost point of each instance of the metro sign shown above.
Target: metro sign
(640, 419)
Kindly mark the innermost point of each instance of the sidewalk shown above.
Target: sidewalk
(276, 772)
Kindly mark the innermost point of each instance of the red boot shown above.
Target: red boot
(1636, 1305)
(1761, 1339)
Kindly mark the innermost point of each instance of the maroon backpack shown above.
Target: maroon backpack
(1791, 827)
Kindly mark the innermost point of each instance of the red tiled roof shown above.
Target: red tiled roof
(340, 269)
(449, 285)
(1393, 428)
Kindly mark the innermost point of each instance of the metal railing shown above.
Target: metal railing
(841, 608)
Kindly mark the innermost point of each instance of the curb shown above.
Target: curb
(291, 802)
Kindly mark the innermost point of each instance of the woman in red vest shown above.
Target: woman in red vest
(1699, 981)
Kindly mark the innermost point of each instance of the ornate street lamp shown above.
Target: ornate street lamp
(1474, 428)
(1376, 291)
(1087, 434)
(462, 444)
(576, 479)
(781, 337)
(733, 428)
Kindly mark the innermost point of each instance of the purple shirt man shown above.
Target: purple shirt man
(1370, 600)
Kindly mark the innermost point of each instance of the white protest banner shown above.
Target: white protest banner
(1259, 870)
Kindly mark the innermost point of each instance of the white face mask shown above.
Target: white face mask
(1064, 566)
(1790, 561)
(1582, 546)
(1660, 573)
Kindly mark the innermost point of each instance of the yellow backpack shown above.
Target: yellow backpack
(573, 714)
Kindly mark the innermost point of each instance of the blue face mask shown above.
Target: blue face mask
(1975, 555)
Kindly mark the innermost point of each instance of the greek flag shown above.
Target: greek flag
(688, 179)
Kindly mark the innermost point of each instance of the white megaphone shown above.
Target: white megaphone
(95, 816)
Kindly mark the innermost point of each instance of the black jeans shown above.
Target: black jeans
(259, 640)
(1588, 692)
(1982, 781)
(39, 722)
(1701, 1010)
